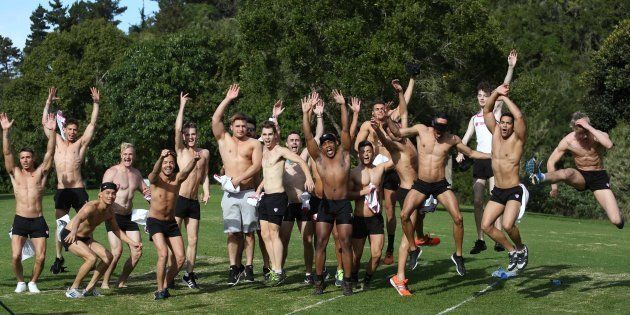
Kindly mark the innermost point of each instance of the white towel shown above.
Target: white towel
(226, 184)
(379, 159)
(371, 199)
(61, 224)
(305, 197)
(139, 216)
(524, 201)
(28, 250)
(60, 122)
(254, 201)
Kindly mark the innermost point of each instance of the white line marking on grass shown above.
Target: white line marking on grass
(313, 305)
(474, 296)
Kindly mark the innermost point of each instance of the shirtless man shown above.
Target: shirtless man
(333, 165)
(241, 157)
(508, 139)
(161, 225)
(482, 169)
(294, 179)
(365, 180)
(129, 180)
(28, 183)
(188, 210)
(273, 204)
(587, 145)
(69, 155)
(391, 182)
(77, 238)
(433, 144)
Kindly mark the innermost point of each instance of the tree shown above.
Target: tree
(107, 9)
(9, 56)
(38, 29)
(56, 16)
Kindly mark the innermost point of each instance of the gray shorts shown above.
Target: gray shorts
(238, 215)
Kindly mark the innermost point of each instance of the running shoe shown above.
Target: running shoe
(521, 258)
(73, 293)
(166, 293)
(513, 260)
(32, 287)
(249, 273)
(92, 292)
(319, 287)
(189, 279)
(57, 267)
(326, 274)
(498, 247)
(532, 169)
(389, 258)
(308, 279)
(266, 272)
(21, 287)
(427, 240)
(339, 278)
(158, 295)
(400, 286)
(234, 276)
(480, 246)
(414, 258)
(459, 264)
(367, 284)
(346, 288)
(274, 279)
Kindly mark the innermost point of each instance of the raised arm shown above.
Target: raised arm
(346, 142)
(275, 113)
(179, 123)
(319, 117)
(355, 106)
(311, 145)
(252, 169)
(555, 156)
(183, 174)
(288, 155)
(488, 116)
(469, 132)
(402, 103)
(406, 132)
(462, 148)
(519, 121)
(413, 69)
(153, 176)
(218, 129)
(52, 96)
(390, 145)
(51, 124)
(598, 135)
(512, 57)
(9, 162)
(89, 130)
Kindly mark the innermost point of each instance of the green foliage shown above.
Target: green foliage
(9, 56)
(618, 164)
(38, 29)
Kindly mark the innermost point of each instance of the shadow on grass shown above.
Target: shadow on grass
(605, 284)
(58, 313)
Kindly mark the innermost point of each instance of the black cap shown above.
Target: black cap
(109, 185)
(328, 137)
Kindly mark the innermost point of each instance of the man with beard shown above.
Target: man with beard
(161, 225)
(128, 180)
(587, 145)
(77, 238)
(333, 165)
(188, 210)
(273, 204)
(28, 183)
(69, 155)
(241, 157)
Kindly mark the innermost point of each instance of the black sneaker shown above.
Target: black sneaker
(414, 257)
(366, 284)
(159, 295)
(166, 293)
(249, 273)
(266, 273)
(521, 259)
(346, 288)
(308, 279)
(171, 285)
(480, 246)
(498, 247)
(513, 261)
(319, 287)
(57, 267)
(189, 279)
(234, 276)
(459, 264)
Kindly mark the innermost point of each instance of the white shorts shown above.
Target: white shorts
(238, 215)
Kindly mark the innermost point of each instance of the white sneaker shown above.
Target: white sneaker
(73, 293)
(32, 287)
(21, 287)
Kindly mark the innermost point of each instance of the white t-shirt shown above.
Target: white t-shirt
(484, 137)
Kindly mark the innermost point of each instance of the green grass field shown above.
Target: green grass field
(588, 257)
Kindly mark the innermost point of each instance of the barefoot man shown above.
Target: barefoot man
(28, 183)
(69, 155)
(187, 210)
(241, 157)
(129, 180)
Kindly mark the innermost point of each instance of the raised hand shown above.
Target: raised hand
(165, 153)
(277, 109)
(512, 58)
(96, 95)
(338, 97)
(4, 121)
(52, 95)
(397, 87)
(315, 97)
(307, 105)
(232, 92)
(355, 104)
(582, 122)
(460, 157)
(51, 122)
(183, 99)
(503, 89)
(319, 108)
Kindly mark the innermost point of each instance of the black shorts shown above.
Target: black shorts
(124, 223)
(30, 227)
(65, 232)
(295, 213)
(595, 180)
(335, 211)
(502, 196)
(363, 227)
(434, 189)
(187, 208)
(401, 194)
(67, 198)
(316, 204)
(168, 228)
(391, 181)
(273, 207)
(482, 169)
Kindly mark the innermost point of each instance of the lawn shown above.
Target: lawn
(587, 256)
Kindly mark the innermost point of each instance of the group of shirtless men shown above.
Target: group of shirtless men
(313, 186)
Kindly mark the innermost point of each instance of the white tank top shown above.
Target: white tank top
(484, 137)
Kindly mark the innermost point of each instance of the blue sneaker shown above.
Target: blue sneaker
(532, 169)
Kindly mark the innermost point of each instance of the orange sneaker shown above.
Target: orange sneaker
(400, 286)
(427, 240)
(389, 258)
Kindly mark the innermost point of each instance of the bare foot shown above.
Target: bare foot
(122, 285)
(105, 286)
